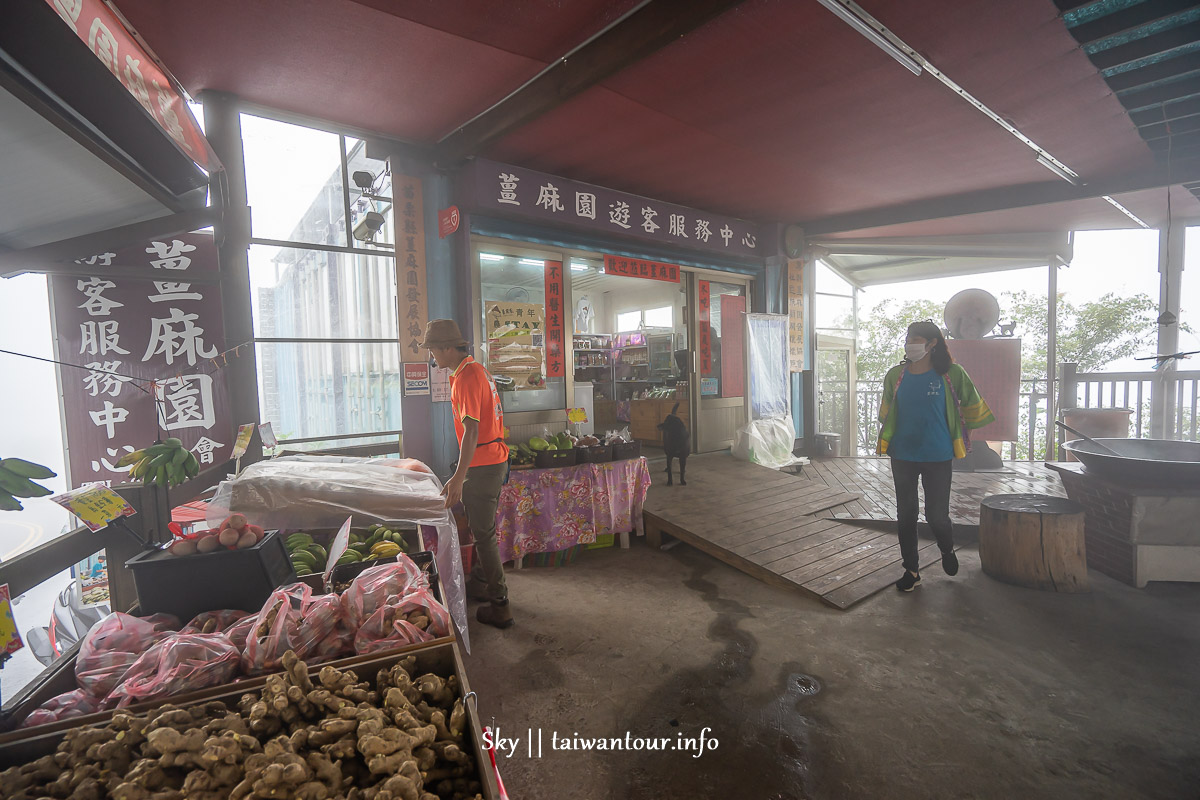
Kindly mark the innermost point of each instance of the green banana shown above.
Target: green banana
(191, 467)
(179, 457)
(156, 450)
(18, 486)
(9, 503)
(139, 469)
(26, 469)
(173, 442)
(131, 458)
(161, 459)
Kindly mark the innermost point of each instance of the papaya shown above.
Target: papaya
(538, 443)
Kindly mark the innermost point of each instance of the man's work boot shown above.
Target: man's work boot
(477, 590)
(496, 613)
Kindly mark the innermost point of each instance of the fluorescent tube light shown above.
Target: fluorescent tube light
(1066, 175)
(490, 257)
(532, 262)
(1124, 211)
(879, 40)
(578, 266)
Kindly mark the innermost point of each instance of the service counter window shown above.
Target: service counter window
(525, 328)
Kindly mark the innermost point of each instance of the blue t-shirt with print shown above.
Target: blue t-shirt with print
(921, 430)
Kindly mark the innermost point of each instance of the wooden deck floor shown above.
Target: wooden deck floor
(820, 531)
(871, 478)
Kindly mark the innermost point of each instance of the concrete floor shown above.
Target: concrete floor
(967, 688)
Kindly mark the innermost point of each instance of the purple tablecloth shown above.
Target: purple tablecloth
(546, 510)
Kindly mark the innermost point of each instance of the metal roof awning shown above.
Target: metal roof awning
(872, 262)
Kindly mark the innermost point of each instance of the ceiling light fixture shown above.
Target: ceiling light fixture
(1124, 211)
(1067, 175)
(860, 24)
(532, 262)
(578, 266)
(490, 257)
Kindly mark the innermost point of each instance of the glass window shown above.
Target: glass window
(317, 294)
(834, 314)
(660, 317)
(294, 182)
(722, 370)
(515, 316)
(629, 321)
(309, 389)
(830, 282)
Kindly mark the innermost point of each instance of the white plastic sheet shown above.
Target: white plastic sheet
(770, 436)
(768, 442)
(320, 491)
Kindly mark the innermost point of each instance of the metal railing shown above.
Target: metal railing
(1177, 394)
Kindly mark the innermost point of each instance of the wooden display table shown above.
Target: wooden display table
(1033, 540)
(645, 415)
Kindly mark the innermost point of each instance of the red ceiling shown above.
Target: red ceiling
(775, 110)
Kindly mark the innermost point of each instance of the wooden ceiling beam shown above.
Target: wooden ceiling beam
(643, 31)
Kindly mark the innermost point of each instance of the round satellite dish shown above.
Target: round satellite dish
(971, 314)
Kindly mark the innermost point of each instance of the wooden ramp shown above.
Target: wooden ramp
(774, 526)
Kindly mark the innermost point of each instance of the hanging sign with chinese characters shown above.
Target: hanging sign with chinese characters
(640, 268)
(555, 338)
(102, 32)
(410, 266)
(795, 310)
(513, 191)
(147, 355)
(705, 329)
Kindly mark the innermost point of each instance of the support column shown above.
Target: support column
(1051, 355)
(1170, 269)
(223, 128)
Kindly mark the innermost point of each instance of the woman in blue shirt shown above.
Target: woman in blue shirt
(929, 403)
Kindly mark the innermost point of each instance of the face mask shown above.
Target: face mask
(914, 352)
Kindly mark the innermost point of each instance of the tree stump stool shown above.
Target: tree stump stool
(1033, 540)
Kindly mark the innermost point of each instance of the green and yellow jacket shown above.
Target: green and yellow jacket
(965, 409)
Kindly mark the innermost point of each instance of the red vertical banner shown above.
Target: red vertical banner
(705, 332)
(555, 345)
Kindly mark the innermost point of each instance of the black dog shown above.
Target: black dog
(677, 443)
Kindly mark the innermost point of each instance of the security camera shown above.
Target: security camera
(368, 226)
(363, 180)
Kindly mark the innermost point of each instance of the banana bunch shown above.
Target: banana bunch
(167, 463)
(15, 475)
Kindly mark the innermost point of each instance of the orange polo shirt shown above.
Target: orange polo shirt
(473, 395)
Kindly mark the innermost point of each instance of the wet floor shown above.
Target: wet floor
(966, 688)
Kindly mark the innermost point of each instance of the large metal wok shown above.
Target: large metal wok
(1157, 462)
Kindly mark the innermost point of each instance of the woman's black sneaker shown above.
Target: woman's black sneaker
(908, 582)
(950, 563)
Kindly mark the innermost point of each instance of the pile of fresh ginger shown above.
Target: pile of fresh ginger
(332, 738)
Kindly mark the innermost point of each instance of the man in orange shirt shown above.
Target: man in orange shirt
(482, 463)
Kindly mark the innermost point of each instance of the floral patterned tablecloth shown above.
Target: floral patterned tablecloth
(546, 510)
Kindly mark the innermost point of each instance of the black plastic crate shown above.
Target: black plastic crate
(624, 452)
(346, 573)
(596, 454)
(547, 459)
(189, 585)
